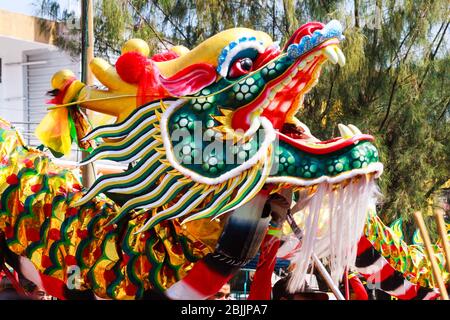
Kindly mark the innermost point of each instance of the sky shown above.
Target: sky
(27, 7)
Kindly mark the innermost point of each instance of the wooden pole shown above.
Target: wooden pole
(90, 44)
(430, 252)
(87, 54)
(326, 276)
(346, 285)
(439, 215)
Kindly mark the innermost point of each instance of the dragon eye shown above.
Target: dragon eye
(240, 67)
(246, 64)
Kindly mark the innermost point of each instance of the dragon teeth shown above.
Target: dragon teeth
(301, 65)
(345, 131)
(287, 80)
(265, 103)
(354, 129)
(272, 94)
(334, 54)
(331, 54)
(341, 56)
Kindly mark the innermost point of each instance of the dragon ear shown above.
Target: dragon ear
(190, 80)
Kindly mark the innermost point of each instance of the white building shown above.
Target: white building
(28, 60)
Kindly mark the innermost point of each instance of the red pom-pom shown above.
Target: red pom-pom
(131, 66)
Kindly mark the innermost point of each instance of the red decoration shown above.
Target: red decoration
(33, 234)
(144, 236)
(343, 143)
(62, 190)
(9, 232)
(131, 66)
(62, 92)
(54, 234)
(97, 253)
(159, 246)
(261, 286)
(205, 280)
(147, 266)
(164, 56)
(268, 55)
(190, 80)
(47, 210)
(28, 163)
(131, 290)
(20, 207)
(125, 260)
(70, 260)
(87, 252)
(109, 275)
(12, 179)
(177, 249)
(76, 187)
(53, 286)
(109, 228)
(70, 212)
(46, 262)
(36, 188)
(4, 160)
(306, 29)
(150, 87)
(83, 234)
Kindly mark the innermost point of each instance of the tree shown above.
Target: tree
(394, 85)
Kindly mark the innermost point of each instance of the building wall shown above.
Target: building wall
(19, 34)
(26, 28)
(23, 86)
(12, 88)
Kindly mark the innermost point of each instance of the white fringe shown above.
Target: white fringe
(333, 224)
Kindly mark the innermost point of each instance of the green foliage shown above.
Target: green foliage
(394, 85)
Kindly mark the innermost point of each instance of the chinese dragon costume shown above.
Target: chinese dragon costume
(188, 212)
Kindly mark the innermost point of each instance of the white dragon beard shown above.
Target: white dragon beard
(333, 223)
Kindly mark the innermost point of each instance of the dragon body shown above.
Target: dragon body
(208, 134)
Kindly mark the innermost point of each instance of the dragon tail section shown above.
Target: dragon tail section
(391, 265)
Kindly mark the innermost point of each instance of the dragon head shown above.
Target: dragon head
(241, 88)
(232, 84)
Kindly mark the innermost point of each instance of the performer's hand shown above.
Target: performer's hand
(280, 204)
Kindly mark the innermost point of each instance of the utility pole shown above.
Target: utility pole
(87, 54)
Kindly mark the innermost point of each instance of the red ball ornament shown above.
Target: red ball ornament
(131, 66)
